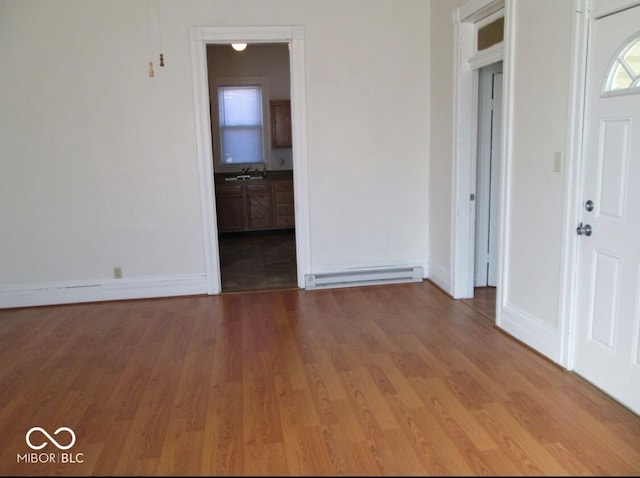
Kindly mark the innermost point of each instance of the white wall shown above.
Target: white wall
(540, 98)
(99, 164)
(368, 107)
(441, 152)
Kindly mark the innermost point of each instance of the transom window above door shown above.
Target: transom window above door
(623, 76)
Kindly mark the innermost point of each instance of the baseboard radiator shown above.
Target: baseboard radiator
(360, 277)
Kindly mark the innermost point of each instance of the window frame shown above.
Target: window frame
(618, 59)
(494, 53)
(261, 82)
(480, 25)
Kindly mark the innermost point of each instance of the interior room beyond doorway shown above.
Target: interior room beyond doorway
(258, 260)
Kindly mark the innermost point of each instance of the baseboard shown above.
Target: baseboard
(94, 291)
(440, 276)
(531, 331)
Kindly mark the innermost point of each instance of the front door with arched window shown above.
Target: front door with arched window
(607, 340)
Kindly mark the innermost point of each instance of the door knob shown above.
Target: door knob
(584, 229)
(589, 205)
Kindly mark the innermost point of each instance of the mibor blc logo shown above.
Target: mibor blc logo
(37, 438)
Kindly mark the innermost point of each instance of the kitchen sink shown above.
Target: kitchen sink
(243, 177)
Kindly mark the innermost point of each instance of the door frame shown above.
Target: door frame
(465, 134)
(294, 36)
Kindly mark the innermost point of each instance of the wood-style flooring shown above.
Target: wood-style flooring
(252, 261)
(381, 380)
(483, 302)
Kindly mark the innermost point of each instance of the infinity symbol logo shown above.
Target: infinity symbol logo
(43, 431)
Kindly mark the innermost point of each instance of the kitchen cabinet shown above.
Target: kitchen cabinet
(284, 206)
(280, 123)
(254, 205)
(230, 207)
(259, 214)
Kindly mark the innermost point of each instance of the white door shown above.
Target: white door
(489, 141)
(607, 339)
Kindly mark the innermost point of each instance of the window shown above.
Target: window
(490, 34)
(241, 124)
(624, 73)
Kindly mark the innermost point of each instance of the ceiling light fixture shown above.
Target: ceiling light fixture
(239, 46)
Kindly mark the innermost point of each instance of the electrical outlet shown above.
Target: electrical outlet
(117, 272)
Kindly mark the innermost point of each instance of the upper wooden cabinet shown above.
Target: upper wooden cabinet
(280, 123)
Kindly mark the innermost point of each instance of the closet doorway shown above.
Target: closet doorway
(487, 175)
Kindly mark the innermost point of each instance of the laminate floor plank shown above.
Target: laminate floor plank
(362, 381)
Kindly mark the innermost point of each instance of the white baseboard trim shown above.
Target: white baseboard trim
(530, 330)
(94, 291)
(440, 276)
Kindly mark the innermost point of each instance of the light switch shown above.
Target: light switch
(558, 163)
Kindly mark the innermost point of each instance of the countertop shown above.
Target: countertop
(271, 176)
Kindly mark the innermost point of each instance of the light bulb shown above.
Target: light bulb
(239, 46)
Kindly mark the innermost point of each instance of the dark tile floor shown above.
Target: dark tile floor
(258, 260)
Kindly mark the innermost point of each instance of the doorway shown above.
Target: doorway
(469, 20)
(487, 173)
(252, 165)
(293, 36)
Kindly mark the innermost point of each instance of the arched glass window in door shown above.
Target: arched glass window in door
(623, 76)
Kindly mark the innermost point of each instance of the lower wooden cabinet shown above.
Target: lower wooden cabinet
(284, 208)
(254, 206)
(230, 207)
(259, 206)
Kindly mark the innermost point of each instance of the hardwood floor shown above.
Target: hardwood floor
(378, 380)
(483, 302)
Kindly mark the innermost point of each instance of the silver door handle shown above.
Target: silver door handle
(584, 229)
